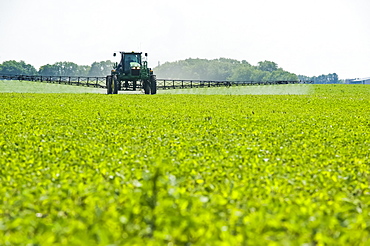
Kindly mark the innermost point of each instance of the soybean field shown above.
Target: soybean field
(182, 169)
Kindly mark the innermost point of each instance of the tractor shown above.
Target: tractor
(130, 74)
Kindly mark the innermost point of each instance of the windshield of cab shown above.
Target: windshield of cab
(133, 58)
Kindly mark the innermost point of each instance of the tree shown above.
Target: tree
(267, 66)
(67, 69)
(48, 70)
(242, 73)
(259, 76)
(64, 69)
(17, 68)
(223, 69)
(217, 69)
(281, 75)
(83, 70)
(334, 78)
(245, 62)
(331, 78)
(304, 78)
(102, 68)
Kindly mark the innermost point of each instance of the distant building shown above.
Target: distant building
(358, 81)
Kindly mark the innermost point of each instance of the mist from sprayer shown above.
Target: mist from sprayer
(295, 89)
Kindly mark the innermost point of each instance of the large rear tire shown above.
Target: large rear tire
(115, 85)
(109, 84)
(153, 84)
(146, 86)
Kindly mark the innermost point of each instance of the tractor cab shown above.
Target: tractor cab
(130, 63)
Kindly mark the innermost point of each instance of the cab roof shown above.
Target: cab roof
(132, 52)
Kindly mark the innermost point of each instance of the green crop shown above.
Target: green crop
(86, 169)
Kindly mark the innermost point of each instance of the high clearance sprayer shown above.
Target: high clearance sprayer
(131, 73)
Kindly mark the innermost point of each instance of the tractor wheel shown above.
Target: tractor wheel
(109, 84)
(119, 85)
(153, 84)
(146, 87)
(115, 85)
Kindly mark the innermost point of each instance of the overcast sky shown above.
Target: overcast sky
(308, 37)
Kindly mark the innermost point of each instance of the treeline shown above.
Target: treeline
(97, 69)
(198, 69)
(223, 69)
(331, 78)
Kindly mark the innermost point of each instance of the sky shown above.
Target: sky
(306, 37)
